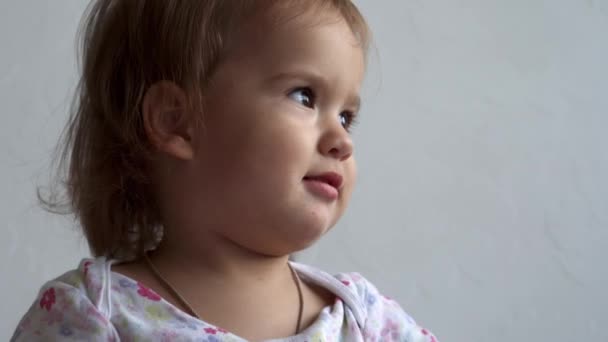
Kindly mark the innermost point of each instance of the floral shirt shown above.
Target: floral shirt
(92, 303)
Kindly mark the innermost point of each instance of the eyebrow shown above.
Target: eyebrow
(354, 99)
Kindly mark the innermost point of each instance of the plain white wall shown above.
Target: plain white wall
(37, 74)
(482, 203)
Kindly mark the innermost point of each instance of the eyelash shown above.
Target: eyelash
(351, 117)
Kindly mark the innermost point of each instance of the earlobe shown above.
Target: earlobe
(179, 148)
(167, 120)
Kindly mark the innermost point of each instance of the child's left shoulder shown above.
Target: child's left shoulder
(385, 320)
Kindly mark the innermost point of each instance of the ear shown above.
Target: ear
(167, 120)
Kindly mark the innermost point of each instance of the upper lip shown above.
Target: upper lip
(332, 178)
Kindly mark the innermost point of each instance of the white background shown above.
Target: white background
(482, 203)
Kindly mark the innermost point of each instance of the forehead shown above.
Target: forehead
(298, 37)
(268, 18)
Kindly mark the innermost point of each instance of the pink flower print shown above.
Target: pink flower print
(147, 293)
(48, 299)
(427, 333)
(210, 331)
(215, 331)
(346, 282)
(390, 329)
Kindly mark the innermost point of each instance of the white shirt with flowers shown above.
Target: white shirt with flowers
(92, 303)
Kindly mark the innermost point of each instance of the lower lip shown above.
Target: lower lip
(321, 189)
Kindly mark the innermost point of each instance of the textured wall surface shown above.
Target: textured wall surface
(482, 203)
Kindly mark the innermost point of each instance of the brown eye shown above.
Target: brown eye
(347, 120)
(304, 96)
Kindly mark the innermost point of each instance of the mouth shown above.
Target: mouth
(326, 185)
(331, 178)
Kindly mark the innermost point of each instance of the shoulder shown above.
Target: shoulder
(88, 280)
(379, 317)
(71, 305)
(385, 319)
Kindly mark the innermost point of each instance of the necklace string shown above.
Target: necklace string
(184, 303)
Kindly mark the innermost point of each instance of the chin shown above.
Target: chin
(290, 248)
(297, 239)
(305, 237)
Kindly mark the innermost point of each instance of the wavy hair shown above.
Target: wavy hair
(125, 46)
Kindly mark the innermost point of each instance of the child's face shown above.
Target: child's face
(275, 113)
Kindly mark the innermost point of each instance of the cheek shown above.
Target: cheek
(350, 175)
(262, 161)
(350, 172)
(353, 169)
(280, 147)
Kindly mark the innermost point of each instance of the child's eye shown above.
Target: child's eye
(304, 96)
(348, 120)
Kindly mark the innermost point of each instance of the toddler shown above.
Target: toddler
(209, 140)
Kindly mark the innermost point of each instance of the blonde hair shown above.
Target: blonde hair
(125, 47)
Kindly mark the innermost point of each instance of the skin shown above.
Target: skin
(232, 193)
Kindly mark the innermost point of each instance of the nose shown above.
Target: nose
(336, 142)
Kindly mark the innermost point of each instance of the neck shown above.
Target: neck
(232, 286)
(221, 260)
